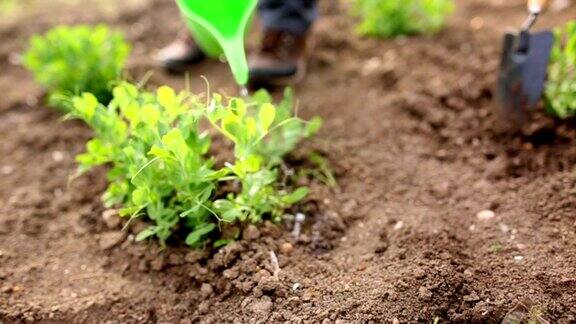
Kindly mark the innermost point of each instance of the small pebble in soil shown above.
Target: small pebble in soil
(398, 226)
(424, 293)
(204, 307)
(111, 218)
(518, 258)
(477, 23)
(57, 156)
(275, 264)
(206, 289)
(231, 273)
(471, 298)
(15, 58)
(262, 306)
(286, 248)
(31, 101)
(295, 286)
(251, 233)
(110, 239)
(520, 246)
(300, 218)
(194, 256)
(504, 228)
(7, 169)
(485, 215)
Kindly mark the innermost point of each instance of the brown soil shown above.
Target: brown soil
(410, 130)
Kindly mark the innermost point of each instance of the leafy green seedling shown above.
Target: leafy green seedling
(495, 248)
(160, 166)
(70, 60)
(560, 94)
(389, 19)
(319, 170)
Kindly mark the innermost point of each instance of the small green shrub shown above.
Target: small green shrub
(384, 18)
(71, 60)
(161, 166)
(560, 94)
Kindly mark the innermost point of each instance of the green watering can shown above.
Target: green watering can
(219, 27)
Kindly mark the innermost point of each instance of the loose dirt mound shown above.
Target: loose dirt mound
(410, 130)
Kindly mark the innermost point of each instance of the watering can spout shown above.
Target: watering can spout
(219, 27)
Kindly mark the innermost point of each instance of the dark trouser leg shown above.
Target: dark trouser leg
(293, 16)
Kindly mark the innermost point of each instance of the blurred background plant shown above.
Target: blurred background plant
(560, 94)
(8, 6)
(389, 19)
(70, 60)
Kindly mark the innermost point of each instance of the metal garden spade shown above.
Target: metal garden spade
(523, 67)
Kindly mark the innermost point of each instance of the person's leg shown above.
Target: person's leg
(293, 16)
(178, 56)
(281, 58)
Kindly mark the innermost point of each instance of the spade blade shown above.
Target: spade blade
(523, 71)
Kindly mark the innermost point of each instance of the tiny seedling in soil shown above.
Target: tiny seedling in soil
(70, 60)
(561, 87)
(161, 166)
(389, 19)
(495, 248)
(320, 170)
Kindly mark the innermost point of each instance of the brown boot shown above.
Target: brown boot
(281, 59)
(180, 54)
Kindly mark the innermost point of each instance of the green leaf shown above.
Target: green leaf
(146, 233)
(240, 107)
(150, 115)
(140, 197)
(199, 232)
(266, 116)
(166, 96)
(251, 127)
(222, 242)
(233, 129)
(296, 196)
(160, 153)
(174, 141)
(252, 164)
(313, 126)
(85, 105)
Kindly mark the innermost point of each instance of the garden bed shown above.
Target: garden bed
(410, 131)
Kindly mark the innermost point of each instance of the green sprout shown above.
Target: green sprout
(495, 248)
(560, 96)
(389, 19)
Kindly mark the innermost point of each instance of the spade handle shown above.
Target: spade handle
(537, 6)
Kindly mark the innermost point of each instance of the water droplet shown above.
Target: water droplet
(244, 91)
